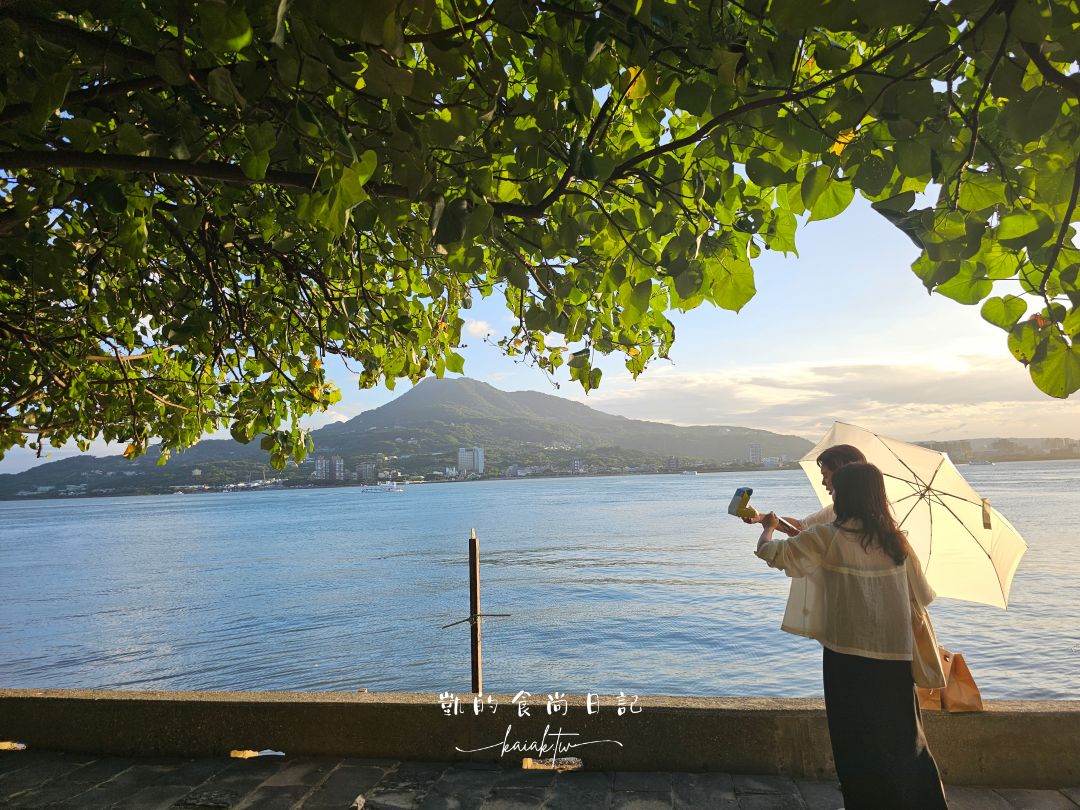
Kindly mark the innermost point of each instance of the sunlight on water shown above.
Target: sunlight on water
(639, 583)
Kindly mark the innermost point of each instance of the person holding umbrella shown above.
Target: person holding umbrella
(861, 615)
(829, 461)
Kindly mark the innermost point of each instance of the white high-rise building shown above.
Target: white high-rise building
(470, 460)
(755, 454)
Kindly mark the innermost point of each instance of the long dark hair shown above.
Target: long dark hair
(859, 493)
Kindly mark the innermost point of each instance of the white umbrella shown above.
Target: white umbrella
(967, 548)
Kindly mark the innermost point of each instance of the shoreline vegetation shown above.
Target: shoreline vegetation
(306, 484)
(420, 436)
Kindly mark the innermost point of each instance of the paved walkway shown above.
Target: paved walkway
(30, 779)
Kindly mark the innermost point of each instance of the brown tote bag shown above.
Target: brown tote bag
(960, 693)
(927, 667)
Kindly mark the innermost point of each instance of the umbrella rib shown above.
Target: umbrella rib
(914, 475)
(930, 553)
(906, 497)
(957, 497)
(905, 517)
(966, 529)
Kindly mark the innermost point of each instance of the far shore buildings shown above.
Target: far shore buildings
(329, 468)
(470, 461)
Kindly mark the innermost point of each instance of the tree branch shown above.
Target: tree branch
(16, 111)
(784, 98)
(1066, 223)
(222, 172)
(80, 37)
(465, 25)
(1049, 72)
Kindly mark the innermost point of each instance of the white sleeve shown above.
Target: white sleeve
(798, 556)
(824, 515)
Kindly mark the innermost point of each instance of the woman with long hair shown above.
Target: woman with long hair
(860, 612)
(828, 461)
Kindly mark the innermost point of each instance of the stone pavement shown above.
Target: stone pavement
(32, 779)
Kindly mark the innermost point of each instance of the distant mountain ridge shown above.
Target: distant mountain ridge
(421, 430)
(475, 413)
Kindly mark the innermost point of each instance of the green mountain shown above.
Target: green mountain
(466, 413)
(420, 432)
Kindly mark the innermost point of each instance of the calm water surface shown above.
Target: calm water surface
(637, 583)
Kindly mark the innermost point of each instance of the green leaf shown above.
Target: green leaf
(913, 157)
(241, 433)
(897, 204)
(1030, 20)
(581, 99)
(634, 299)
(1057, 373)
(1024, 340)
(781, 234)
(832, 200)
(515, 273)
(225, 28)
(966, 286)
(452, 223)
(220, 85)
(814, 183)
(254, 165)
(81, 132)
(733, 284)
(455, 363)
(354, 177)
(1032, 115)
(169, 69)
(1003, 312)
(130, 140)
(689, 281)
(765, 174)
(49, 97)
(871, 175)
(693, 96)
(979, 191)
(1071, 324)
(1016, 225)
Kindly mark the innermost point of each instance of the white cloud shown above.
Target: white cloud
(342, 413)
(17, 459)
(478, 328)
(973, 396)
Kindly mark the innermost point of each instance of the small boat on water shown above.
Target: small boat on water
(386, 486)
(982, 462)
(689, 472)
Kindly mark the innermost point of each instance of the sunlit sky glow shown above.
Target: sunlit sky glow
(843, 332)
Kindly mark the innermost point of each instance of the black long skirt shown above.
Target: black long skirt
(878, 745)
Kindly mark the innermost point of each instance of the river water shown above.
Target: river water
(640, 584)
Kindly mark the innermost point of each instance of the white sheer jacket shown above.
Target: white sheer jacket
(849, 599)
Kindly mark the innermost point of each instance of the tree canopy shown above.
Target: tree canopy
(200, 201)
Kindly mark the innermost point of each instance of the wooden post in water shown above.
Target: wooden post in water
(474, 614)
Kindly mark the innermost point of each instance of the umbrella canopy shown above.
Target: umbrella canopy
(967, 548)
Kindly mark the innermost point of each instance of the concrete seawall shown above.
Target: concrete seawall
(1011, 744)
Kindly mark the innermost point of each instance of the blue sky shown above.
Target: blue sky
(843, 332)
